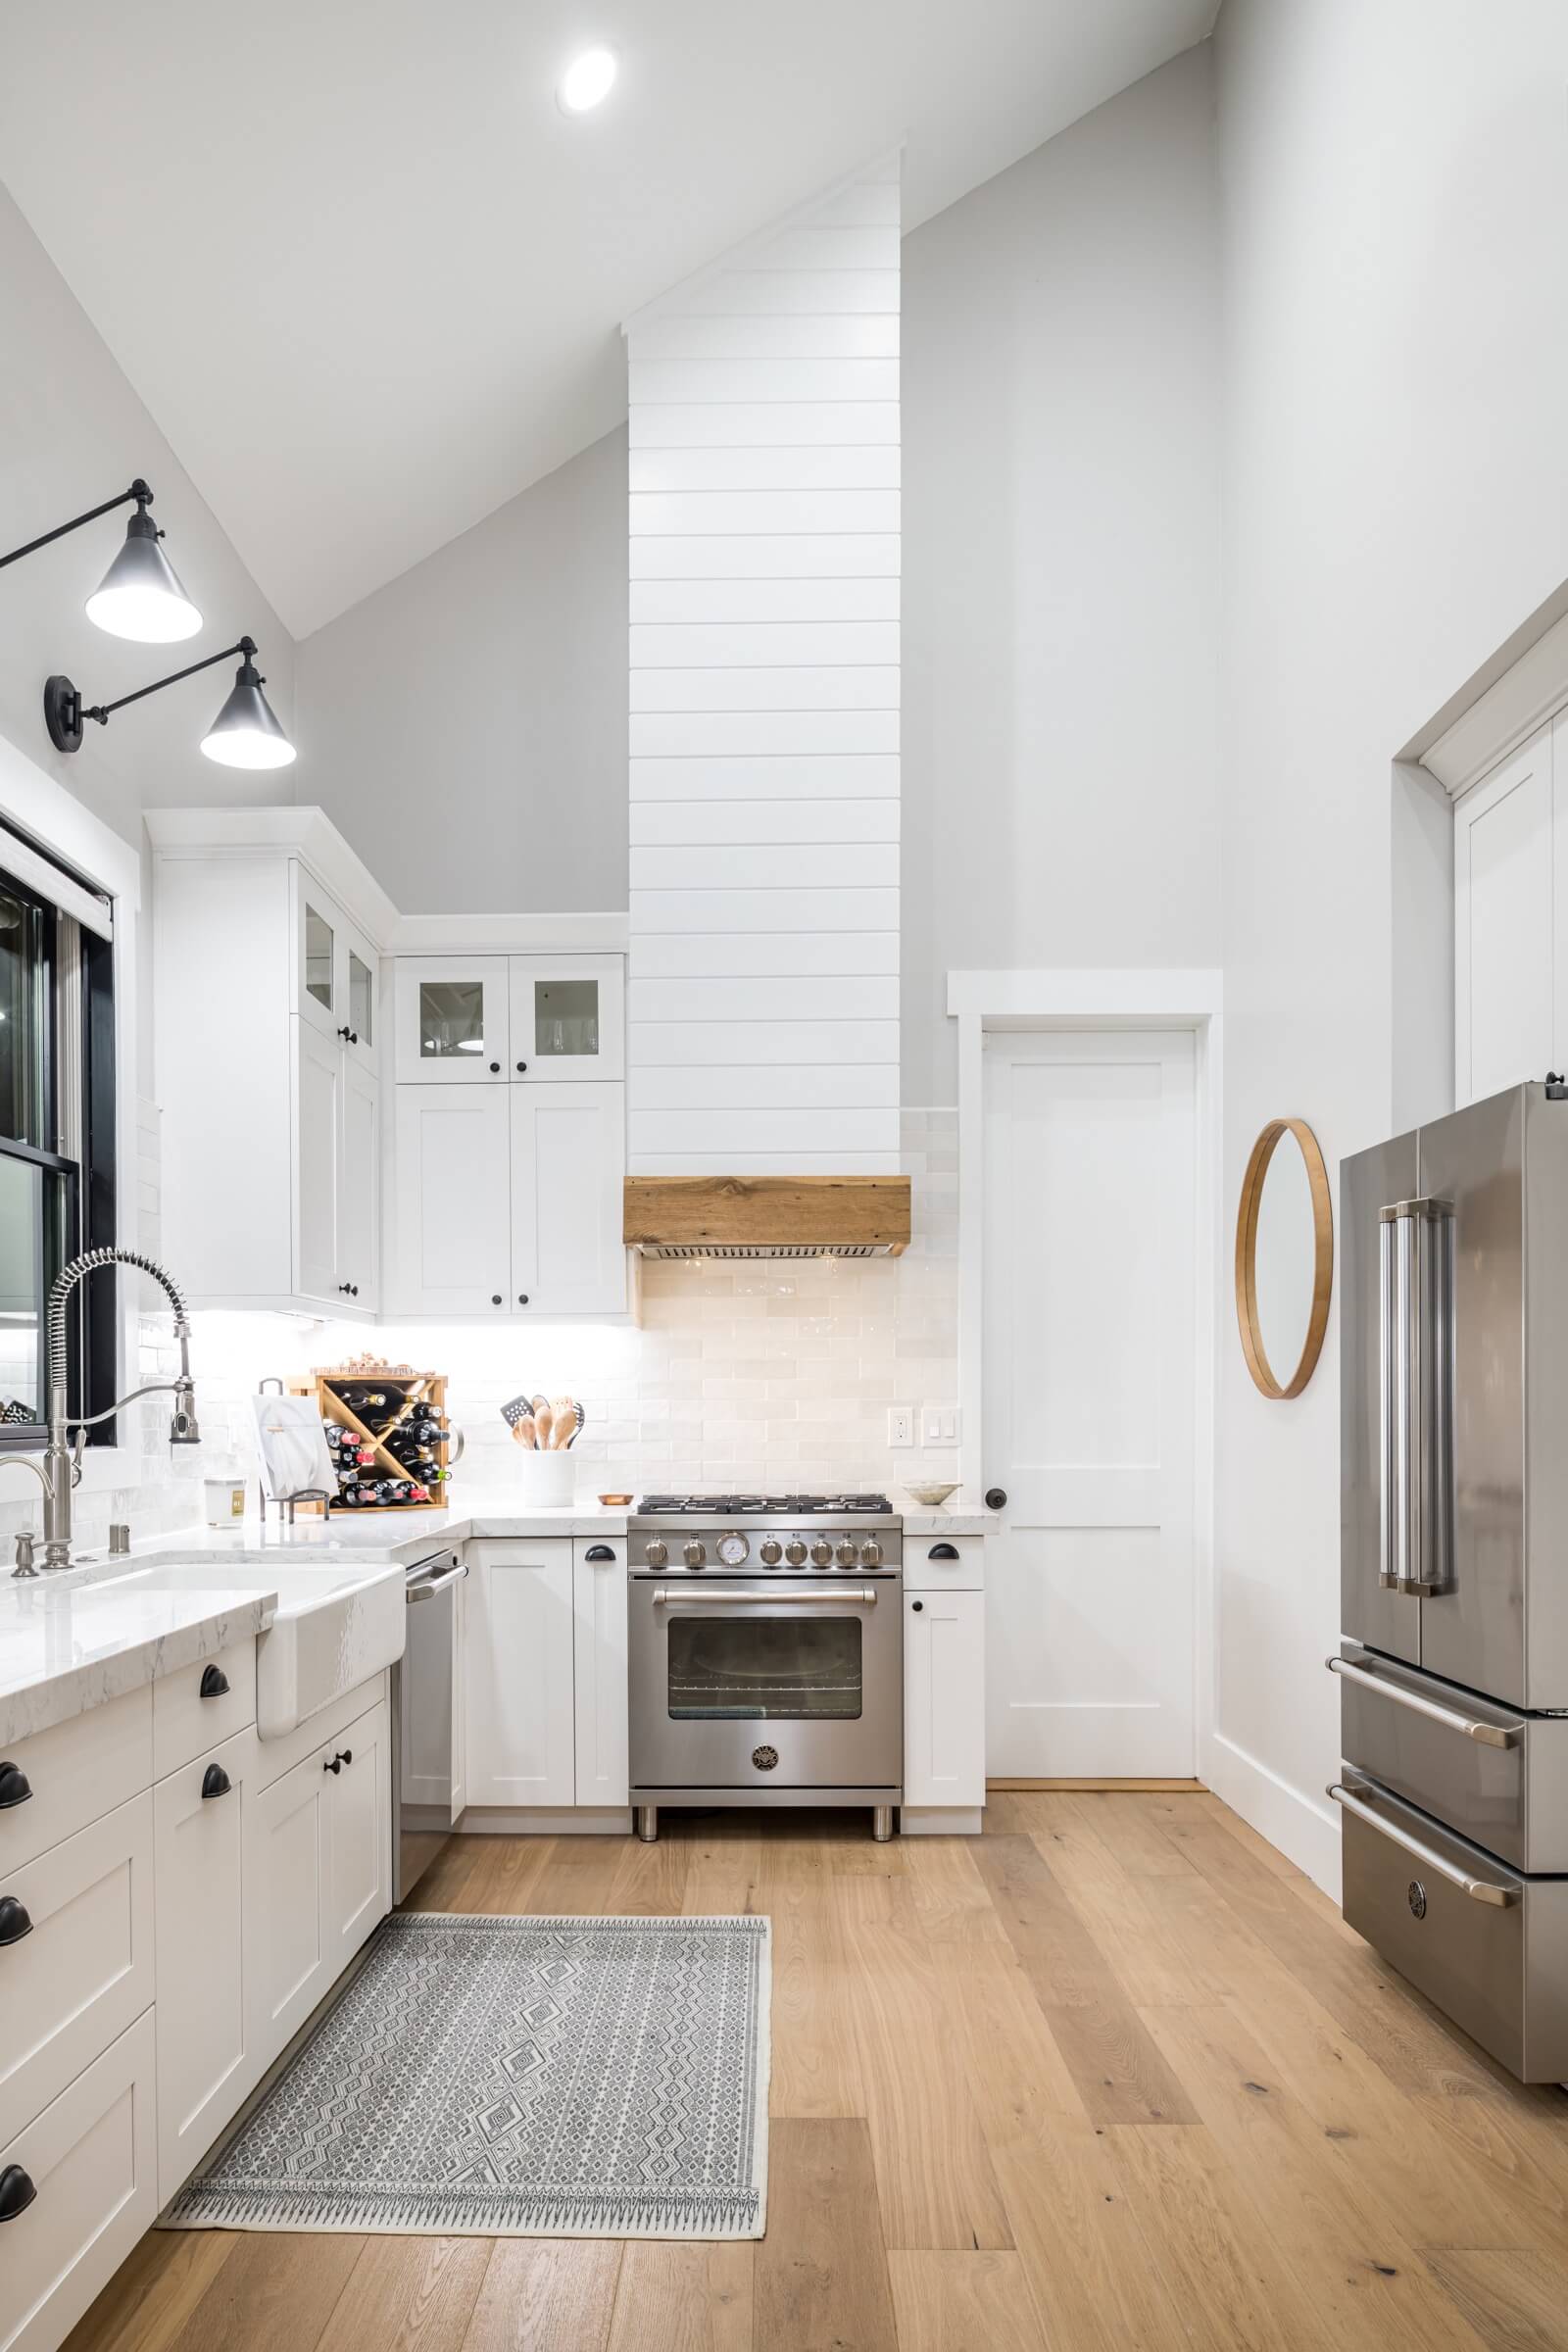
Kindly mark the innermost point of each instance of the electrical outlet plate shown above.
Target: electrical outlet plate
(940, 1425)
(901, 1425)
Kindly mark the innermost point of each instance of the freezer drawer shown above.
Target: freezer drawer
(1487, 1945)
(1488, 1772)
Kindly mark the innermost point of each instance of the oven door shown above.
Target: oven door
(795, 1683)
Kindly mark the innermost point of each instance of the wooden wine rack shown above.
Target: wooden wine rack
(426, 1391)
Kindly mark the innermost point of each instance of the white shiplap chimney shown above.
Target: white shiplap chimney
(764, 554)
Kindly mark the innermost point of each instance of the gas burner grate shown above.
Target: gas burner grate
(740, 1506)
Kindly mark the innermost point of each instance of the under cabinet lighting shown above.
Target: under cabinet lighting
(587, 81)
(140, 596)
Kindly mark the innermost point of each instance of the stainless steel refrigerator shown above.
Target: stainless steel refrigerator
(1453, 1669)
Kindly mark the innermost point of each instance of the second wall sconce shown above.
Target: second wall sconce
(140, 596)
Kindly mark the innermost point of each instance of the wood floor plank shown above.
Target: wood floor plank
(411, 2294)
(821, 2282)
(964, 2303)
(722, 1873)
(948, 1898)
(1514, 2302)
(494, 1877)
(680, 2298)
(816, 2065)
(1090, 2269)
(577, 1876)
(1117, 2068)
(1124, 1915)
(1139, 1842)
(150, 2297)
(650, 1881)
(935, 2183)
(276, 2293)
(541, 2295)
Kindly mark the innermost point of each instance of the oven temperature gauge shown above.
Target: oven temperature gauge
(733, 1549)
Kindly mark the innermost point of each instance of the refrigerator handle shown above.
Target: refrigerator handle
(1393, 1464)
(1415, 1394)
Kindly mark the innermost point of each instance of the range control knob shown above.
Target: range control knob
(847, 1552)
(795, 1552)
(695, 1553)
(870, 1553)
(772, 1552)
(821, 1553)
(656, 1553)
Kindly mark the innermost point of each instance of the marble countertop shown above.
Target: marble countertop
(70, 1642)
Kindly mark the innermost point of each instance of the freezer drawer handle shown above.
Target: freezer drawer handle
(1479, 1891)
(862, 1595)
(1490, 1735)
(438, 1584)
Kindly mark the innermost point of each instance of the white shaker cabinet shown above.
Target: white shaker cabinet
(599, 1607)
(358, 1848)
(944, 1697)
(451, 1249)
(286, 1887)
(567, 1018)
(205, 2051)
(568, 1166)
(452, 1016)
(521, 1740)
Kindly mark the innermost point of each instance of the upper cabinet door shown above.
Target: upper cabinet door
(358, 1190)
(568, 1017)
(1510, 966)
(451, 1251)
(359, 998)
(451, 1018)
(320, 962)
(568, 1168)
(318, 1080)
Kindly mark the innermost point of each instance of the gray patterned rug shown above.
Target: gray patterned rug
(519, 2078)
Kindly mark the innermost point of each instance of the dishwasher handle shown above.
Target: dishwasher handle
(427, 1589)
(1479, 1891)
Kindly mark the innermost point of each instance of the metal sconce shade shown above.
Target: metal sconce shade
(141, 595)
(246, 733)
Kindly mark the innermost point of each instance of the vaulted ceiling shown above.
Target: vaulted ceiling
(368, 276)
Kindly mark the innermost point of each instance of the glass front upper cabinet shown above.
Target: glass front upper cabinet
(568, 1016)
(452, 1019)
(336, 971)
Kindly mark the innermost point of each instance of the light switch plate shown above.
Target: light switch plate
(940, 1425)
(901, 1425)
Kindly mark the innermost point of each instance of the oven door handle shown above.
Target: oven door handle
(438, 1584)
(862, 1595)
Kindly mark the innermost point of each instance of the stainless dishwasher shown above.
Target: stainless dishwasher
(426, 1719)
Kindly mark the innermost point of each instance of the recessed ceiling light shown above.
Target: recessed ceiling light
(586, 81)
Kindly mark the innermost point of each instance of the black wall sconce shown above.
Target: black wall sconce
(140, 596)
(244, 734)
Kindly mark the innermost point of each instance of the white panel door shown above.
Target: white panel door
(518, 1651)
(944, 1698)
(1506, 982)
(206, 2062)
(359, 1187)
(452, 1236)
(285, 1884)
(568, 1166)
(599, 1598)
(358, 1840)
(317, 1136)
(1090, 1263)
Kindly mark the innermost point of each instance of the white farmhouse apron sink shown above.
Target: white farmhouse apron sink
(335, 1627)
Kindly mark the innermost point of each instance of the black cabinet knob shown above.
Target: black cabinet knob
(347, 1754)
(355, 1289)
(331, 1763)
(943, 1551)
(14, 1920)
(494, 1068)
(996, 1496)
(214, 1683)
(216, 1781)
(17, 2192)
(495, 1298)
(346, 1288)
(521, 1066)
(917, 1605)
(599, 1551)
(522, 1298)
(346, 1033)
(15, 1785)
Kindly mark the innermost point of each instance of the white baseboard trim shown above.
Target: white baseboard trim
(1307, 1832)
(576, 1821)
(941, 1820)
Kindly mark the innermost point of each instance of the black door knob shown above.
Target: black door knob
(996, 1496)
(216, 1781)
(17, 2192)
(14, 1920)
(15, 1785)
(214, 1683)
(917, 1605)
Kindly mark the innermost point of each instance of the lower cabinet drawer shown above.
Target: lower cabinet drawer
(1487, 1945)
(90, 2160)
(932, 1562)
(196, 1707)
(76, 1966)
(71, 1773)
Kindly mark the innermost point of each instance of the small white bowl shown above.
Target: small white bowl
(931, 1496)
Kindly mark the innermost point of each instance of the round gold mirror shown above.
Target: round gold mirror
(1284, 1257)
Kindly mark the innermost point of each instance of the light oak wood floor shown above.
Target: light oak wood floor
(1113, 2076)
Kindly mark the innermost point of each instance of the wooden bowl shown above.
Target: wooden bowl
(613, 1502)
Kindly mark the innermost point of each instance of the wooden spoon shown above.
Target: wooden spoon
(543, 1420)
(564, 1413)
(523, 1431)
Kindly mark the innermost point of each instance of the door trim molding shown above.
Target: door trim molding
(1079, 998)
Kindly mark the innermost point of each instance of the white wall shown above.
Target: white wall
(466, 726)
(1061, 562)
(1395, 354)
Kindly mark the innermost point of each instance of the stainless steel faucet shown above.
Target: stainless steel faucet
(59, 1467)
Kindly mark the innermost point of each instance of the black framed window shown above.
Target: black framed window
(57, 1123)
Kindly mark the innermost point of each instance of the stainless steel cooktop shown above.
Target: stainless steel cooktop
(761, 1535)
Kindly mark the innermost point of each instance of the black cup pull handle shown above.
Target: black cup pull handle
(15, 1785)
(599, 1551)
(214, 1683)
(216, 1781)
(943, 1551)
(14, 1920)
(17, 2192)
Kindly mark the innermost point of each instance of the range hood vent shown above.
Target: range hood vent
(700, 1217)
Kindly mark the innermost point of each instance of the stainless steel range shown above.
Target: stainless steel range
(766, 1651)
